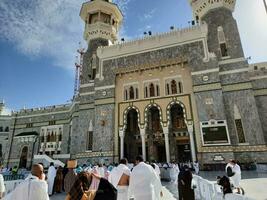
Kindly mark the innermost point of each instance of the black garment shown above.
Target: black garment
(184, 185)
(106, 191)
(180, 175)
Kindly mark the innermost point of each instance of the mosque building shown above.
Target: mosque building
(184, 95)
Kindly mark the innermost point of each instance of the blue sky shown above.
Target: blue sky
(39, 38)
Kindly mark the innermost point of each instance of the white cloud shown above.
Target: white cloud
(150, 14)
(50, 28)
(252, 23)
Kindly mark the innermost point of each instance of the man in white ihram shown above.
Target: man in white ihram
(52, 172)
(119, 178)
(144, 182)
(235, 178)
(33, 188)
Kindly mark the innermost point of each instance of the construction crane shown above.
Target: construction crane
(78, 69)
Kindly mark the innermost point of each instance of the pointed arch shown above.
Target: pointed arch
(146, 113)
(151, 90)
(169, 109)
(174, 87)
(131, 93)
(23, 157)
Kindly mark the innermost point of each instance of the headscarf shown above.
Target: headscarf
(81, 185)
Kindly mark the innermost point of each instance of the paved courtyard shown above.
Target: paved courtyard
(253, 183)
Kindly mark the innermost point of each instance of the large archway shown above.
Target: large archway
(23, 158)
(179, 137)
(132, 141)
(155, 138)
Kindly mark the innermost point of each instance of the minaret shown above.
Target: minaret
(223, 36)
(102, 22)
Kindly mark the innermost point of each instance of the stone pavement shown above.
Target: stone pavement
(253, 183)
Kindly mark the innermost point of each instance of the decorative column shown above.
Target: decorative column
(122, 135)
(143, 139)
(190, 128)
(167, 143)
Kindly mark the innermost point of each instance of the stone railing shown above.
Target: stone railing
(207, 190)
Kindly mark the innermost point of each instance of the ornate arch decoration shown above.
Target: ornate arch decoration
(160, 113)
(125, 113)
(168, 110)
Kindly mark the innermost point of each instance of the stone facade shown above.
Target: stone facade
(211, 86)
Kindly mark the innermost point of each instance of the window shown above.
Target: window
(136, 93)
(1, 129)
(126, 95)
(93, 18)
(180, 87)
(152, 90)
(222, 42)
(223, 50)
(94, 74)
(7, 129)
(90, 141)
(214, 133)
(29, 125)
(174, 87)
(168, 89)
(146, 92)
(157, 90)
(53, 122)
(240, 131)
(131, 93)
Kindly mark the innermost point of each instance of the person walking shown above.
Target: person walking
(58, 180)
(33, 188)
(185, 184)
(2, 185)
(144, 182)
(233, 171)
(119, 177)
(71, 176)
(196, 167)
(51, 178)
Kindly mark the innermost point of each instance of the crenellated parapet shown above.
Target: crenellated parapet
(182, 36)
(43, 110)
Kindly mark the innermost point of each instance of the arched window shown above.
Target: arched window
(174, 87)
(222, 41)
(23, 157)
(168, 88)
(131, 93)
(151, 90)
(157, 90)
(48, 137)
(125, 95)
(146, 92)
(136, 93)
(180, 87)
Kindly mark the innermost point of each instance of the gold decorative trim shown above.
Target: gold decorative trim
(207, 87)
(243, 148)
(104, 101)
(95, 154)
(238, 86)
(260, 92)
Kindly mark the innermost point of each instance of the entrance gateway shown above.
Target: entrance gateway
(155, 142)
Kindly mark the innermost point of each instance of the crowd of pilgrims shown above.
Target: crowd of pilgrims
(122, 181)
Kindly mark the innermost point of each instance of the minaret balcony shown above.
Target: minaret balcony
(201, 7)
(100, 30)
